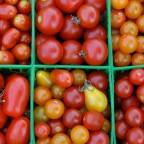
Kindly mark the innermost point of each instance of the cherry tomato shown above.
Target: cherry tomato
(2, 138)
(106, 112)
(72, 117)
(6, 57)
(98, 79)
(68, 6)
(2, 81)
(56, 126)
(79, 134)
(24, 7)
(88, 15)
(136, 76)
(118, 17)
(71, 50)
(42, 130)
(3, 117)
(119, 115)
(140, 47)
(22, 22)
(7, 11)
(60, 138)
(121, 59)
(39, 115)
(106, 126)
(44, 141)
(123, 88)
(43, 78)
(96, 32)
(115, 40)
(119, 4)
(11, 37)
(79, 77)
(17, 99)
(42, 95)
(50, 51)
(18, 131)
(98, 137)
(69, 30)
(21, 51)
(135, 135)
(41, 38)
(51, 25)
(99, 4)
(129, 27)
(134, 116)
(121, 128)
(133, 9)
(131, 101)
(54, 109)
(4, 26)
(73, 98)
(62, 77)
(25, 38)
(140, 92)
(94, 51)
(11, 2)
(128, 43)
(93, 120)
(140, 23)
(137, 59)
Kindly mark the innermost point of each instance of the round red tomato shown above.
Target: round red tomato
(72, 117)
(71, 50)
(4, 26)
(68, 6)
(98, 79)
(73, 98)
(88, 16)
(93, 120)
(119, 115)
(94, 51)
(123, 88)
(136, 76)
(140, 93)
(2, 138)
(69, 30)
(25, 38)
(98, 137)
(62, 77)
(52, 24)
(50, 51)
(18, 131)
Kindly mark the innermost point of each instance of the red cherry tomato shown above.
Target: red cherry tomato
(140, 93)
(2, 81)
(11, 37)
(71, 50)
(2, 138)
(11, 2)
(51, 25)
(62, 77)
(25, 38)
(119, 115)
(4, 26)
(16, 100)
(18, 131)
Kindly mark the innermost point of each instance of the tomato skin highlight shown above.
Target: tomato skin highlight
(18, 131)
(7, 11)
(16, 100)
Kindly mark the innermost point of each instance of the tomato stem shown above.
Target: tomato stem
(75, 19)
(82, 54)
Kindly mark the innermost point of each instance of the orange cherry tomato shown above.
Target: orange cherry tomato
(44, 141)
(140, 47)
(138, 59)
(140, 23)
(115, 40)
(119, 4)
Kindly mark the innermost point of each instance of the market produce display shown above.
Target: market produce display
(15, 32)
(66, 103)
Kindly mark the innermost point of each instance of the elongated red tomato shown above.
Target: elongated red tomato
(4, 26)
(19, 131)
(11, 37)
(62, 77)
(94, 51)
(16, 96)
(7, 11)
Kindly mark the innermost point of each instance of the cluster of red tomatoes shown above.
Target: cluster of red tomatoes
(15, 29)
(129, 102)
(61, 114)
(14, 109)
(70, 32)
(127, 21)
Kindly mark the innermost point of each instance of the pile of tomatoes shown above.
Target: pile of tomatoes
(127, 22)
(70, 32)
(14, 109)
(62, 112)
(15, 31)
(129, 103)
